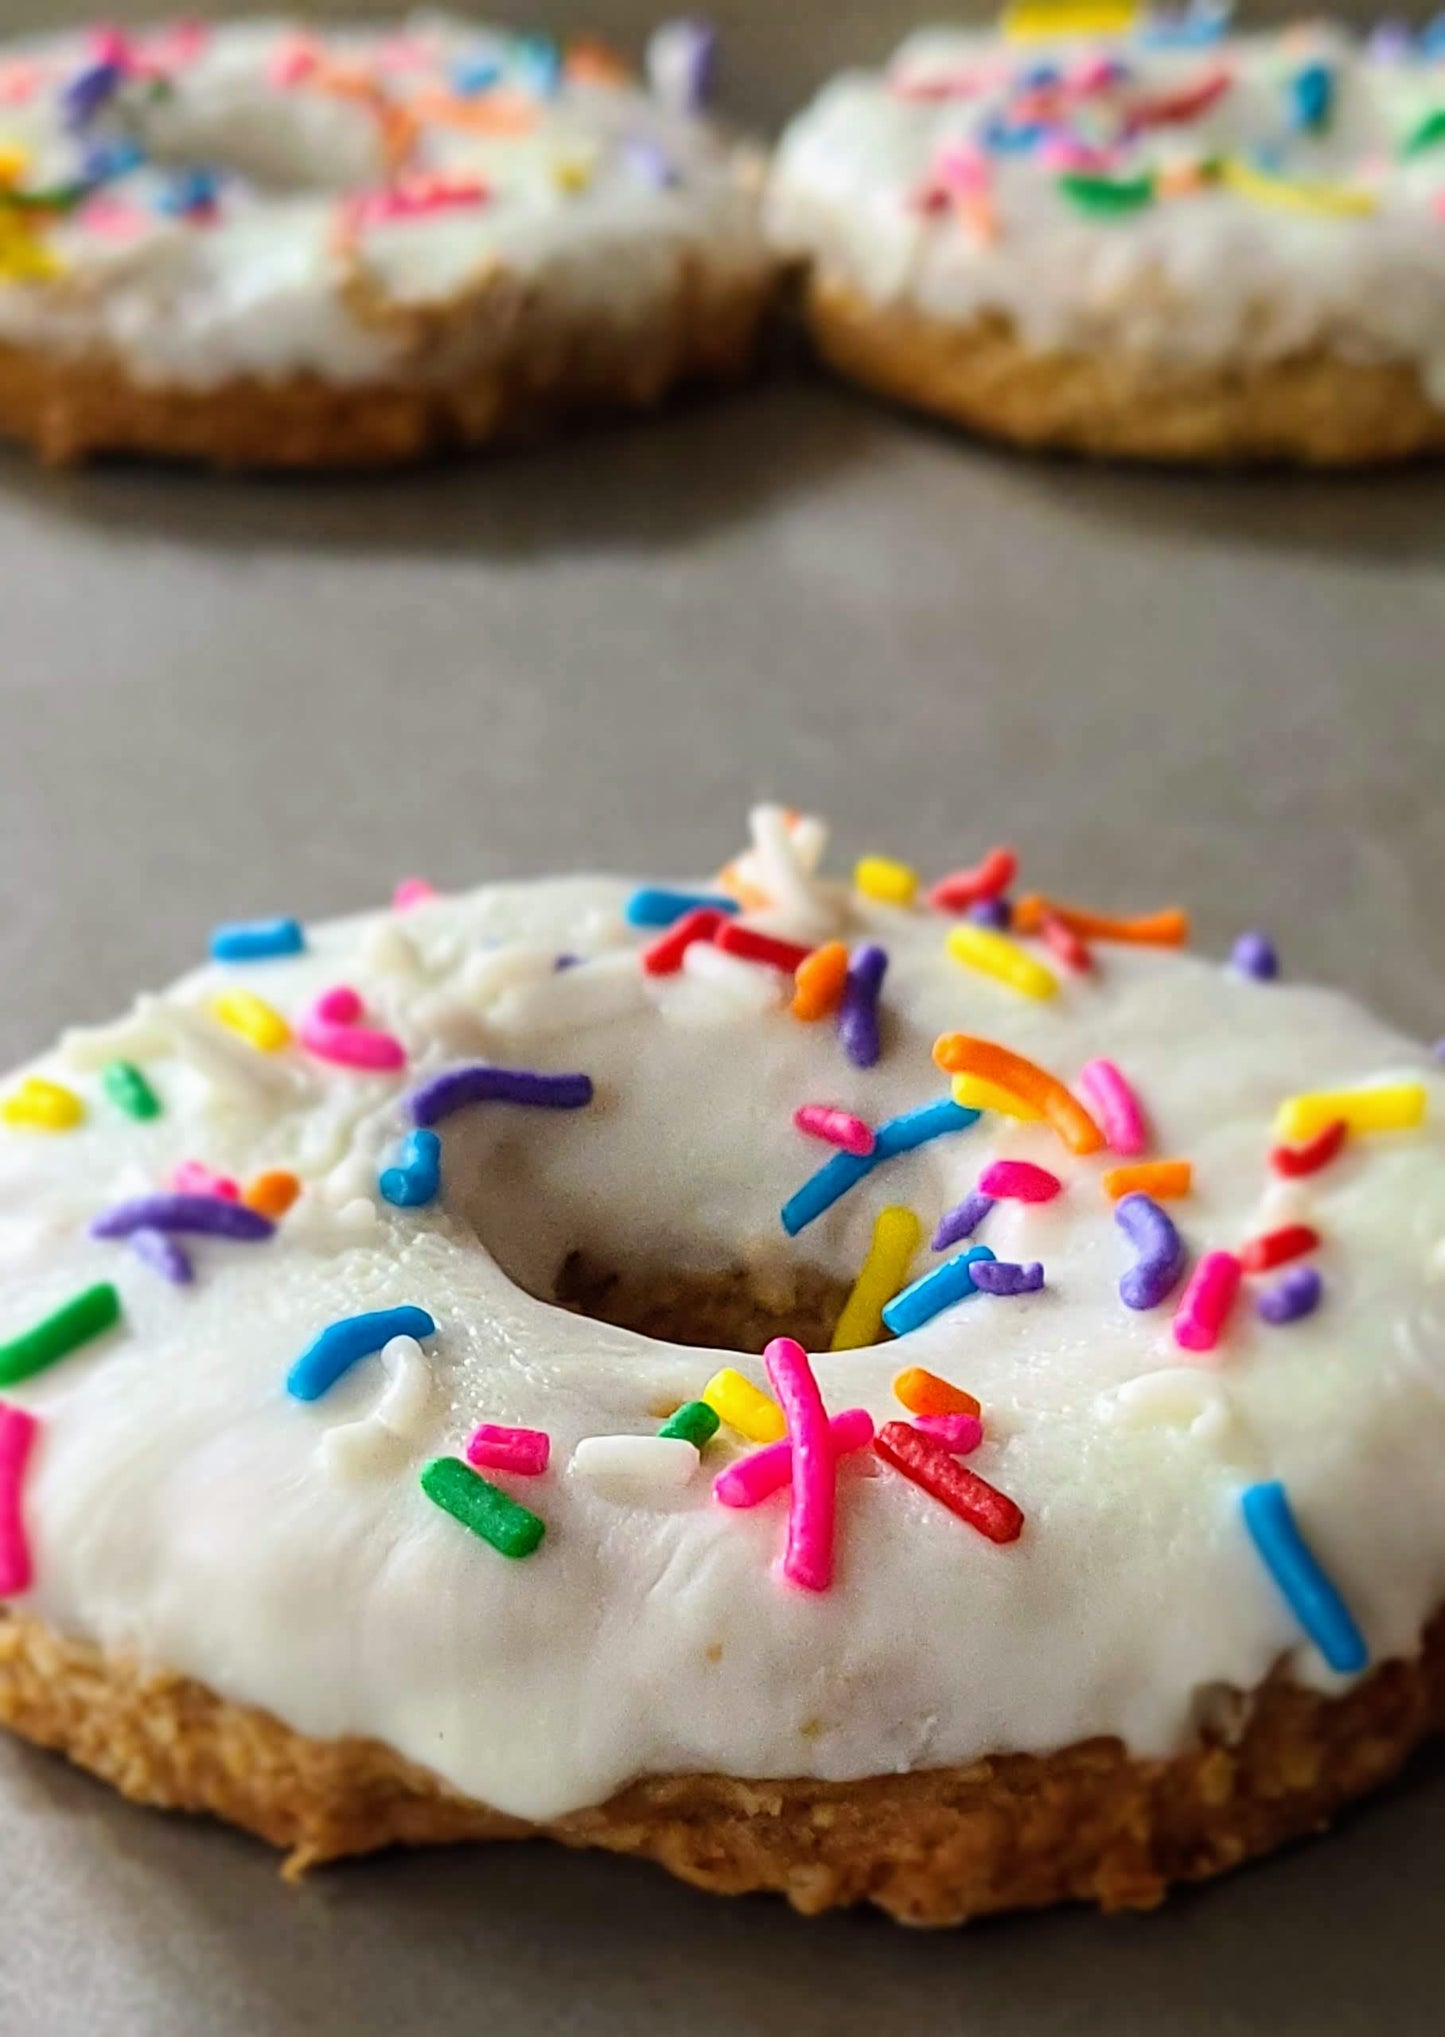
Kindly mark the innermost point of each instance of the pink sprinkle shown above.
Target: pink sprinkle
(329, 1031)
(524, 1451)
(294, 61)
(763, 1472)
(1018, 1181)
(17, 1433)
(813, 1493)
(177, 44)
(837, 1127)
(1090, 74)
(109, 45)
(958, 1433)
(962, 172)
(418, 195)
(112, 218)
(19, 82)
(1205, 1303)
(192, 1177)
(412, 891)
(1115, 1105)
(1063, 152)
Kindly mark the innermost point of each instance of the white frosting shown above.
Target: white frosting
(180, 1504)
(1210, 273)
(592, 210)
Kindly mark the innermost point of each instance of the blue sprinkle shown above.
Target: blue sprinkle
(1312, 97)
(342, 1345)
(474, 75)
(1254, 954)
(927, 1297)
(1001, 138)
(539, 61)
(417, 1176)
(1432, 37)
(845, 1170)
(105, 160)
(191, 192)
(653, 908)
(1313, 1599)
(257, 940)
(1195, 27)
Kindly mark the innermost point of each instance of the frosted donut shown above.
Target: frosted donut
(260, 245)
(1132, 234)
(1095, 1546)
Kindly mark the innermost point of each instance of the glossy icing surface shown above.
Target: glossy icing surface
(1164, 188)
(262, 199)
(180, 1503)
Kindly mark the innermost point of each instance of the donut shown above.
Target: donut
(927, 1397)
(265, 246)
(1132, 234)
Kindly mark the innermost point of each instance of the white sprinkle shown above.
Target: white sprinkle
(89, 1048)
(231, 1066)
(751, 986)
(664, 1462)
(353, 1449)
(390, 950)
(590, 993)
(1177, 1396)
(497, 970)
(782, 873)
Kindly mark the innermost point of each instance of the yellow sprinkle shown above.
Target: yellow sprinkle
(253, 1019)
(744, 1407)
(897, 1235)
(1039, 20)
(1387, 1107)
(42, 1106)
(1335, 201)
(974, 1093)
(14, 162)
(572, 173)
(889, 882)
(996, 955)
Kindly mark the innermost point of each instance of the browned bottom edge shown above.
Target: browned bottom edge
(933, 1847)
(1313, 408)
(546, 371)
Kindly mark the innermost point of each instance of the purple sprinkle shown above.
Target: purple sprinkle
(1439, 1050)
(163, 1254)
(1296, 1294)
(999, 1276)
(1254, 954)
(83, 96)
(1389, 43)
(962, 1220)
(992, 912)
(482, 1083)
(209, 1215)
(681, 57)
(858, 1012)
(1159, 1248)
(649, 162)
(565, 962)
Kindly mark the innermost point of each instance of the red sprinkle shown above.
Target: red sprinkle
(1276, 1248)
(1292, 1161)
(1059, 936)
(837, 1127)
(755, 947)
(664, 957)
(956, 893)
(925, 1460)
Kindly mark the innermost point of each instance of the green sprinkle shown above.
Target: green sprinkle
(128, 1089)
(1428, 135)
(695, 1422)
(1107, 196)
(58, 198)
(74, 1323)
(482, 1507)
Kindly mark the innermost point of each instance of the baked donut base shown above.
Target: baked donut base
(936, 1846)
(544, 369)
(1312, 408)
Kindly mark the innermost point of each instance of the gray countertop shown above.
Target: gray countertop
(220, 699)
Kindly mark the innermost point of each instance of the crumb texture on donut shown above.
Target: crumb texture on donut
(933, 1847)
(1315, 407)
(547, 369)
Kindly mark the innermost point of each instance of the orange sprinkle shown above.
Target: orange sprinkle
(748, 896)
(820, 978)
(1159, 1178)
(924, 1393)
(273, 1193)
(1166, 929)
(960, 1054)
(497, 112)
(589, 62)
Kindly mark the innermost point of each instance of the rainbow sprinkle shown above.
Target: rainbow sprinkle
(87, 1315)
(345, 1343)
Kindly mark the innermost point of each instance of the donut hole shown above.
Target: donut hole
(737, 1309)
